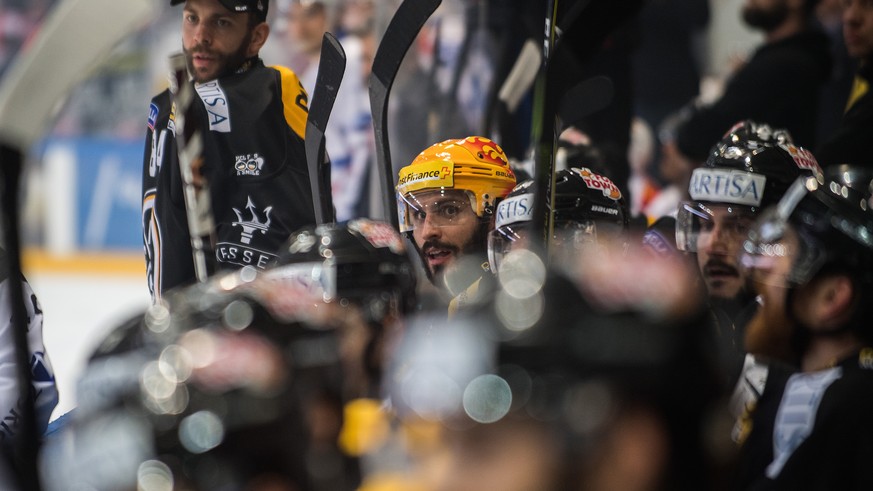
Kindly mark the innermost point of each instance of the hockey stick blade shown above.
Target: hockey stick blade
(522, 76)
(399, 36)
(68, 46)
(71, 42)
(331, 68)
(584, 99)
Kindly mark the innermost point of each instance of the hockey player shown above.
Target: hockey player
(811, 258)
(252, 119)
(447, 198)
(588, 207)
(749, 169)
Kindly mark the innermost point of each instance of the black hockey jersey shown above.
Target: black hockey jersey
(253, 124)
(812, 431)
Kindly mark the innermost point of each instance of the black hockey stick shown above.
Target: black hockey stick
(189, 146)
(331, 68)
(399, 36)
(72, 41)
(543, 136)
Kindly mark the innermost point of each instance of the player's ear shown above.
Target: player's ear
(259, 36)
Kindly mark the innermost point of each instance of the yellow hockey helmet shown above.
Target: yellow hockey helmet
(474, 164)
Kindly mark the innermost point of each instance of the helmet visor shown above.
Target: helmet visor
(439, 207)
(776, 254)
(787, 244)
(569, 238)
(503, 240)
(699, 222)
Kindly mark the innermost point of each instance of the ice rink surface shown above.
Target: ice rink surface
(80, 306)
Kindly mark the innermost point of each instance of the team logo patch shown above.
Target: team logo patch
(515, 209)
(255, 222)
(727, 186)
(153, 115)
(429, 175)
(803, 158)
(596, 181)
(379, 234)
(216, 104)
(249, 164)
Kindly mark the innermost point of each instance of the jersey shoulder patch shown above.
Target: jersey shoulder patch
(294, 99)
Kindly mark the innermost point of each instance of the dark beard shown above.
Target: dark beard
(766, 20)
(775, 334)
(230, 62)
(475, 246)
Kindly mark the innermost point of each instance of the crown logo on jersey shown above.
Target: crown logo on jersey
(249, 165)
(256, 223)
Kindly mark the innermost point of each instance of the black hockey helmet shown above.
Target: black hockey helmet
(363, 261)
(587, 205)
(749, 169)
(822, 223)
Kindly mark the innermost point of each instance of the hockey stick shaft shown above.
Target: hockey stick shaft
(331, 67)
(399, 36)
(70, 43)
(543, 135)
(189, 145)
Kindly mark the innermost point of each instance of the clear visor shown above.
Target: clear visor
(776, 253)
(568, 239)
(698, 223)
(440, 207)
(503, 240)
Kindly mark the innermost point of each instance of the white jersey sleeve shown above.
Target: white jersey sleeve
(42, 374)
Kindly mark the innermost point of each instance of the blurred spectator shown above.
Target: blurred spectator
(349, 133)
(780, 84)
(851, 141)
(836, 90)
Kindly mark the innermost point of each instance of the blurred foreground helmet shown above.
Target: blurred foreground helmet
(587, 206)
(749, 169)
(474, 170)
(570, 358)
(823, 222)
(364, 262)
(218, 391)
